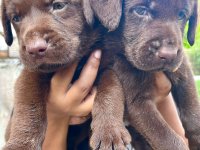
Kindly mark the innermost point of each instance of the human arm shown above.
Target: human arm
(67, 105)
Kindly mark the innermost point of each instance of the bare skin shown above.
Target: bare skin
(71, 104)
(166, 106)
(169, 112)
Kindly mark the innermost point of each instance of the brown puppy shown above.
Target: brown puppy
(117, 94)
(152, 44)
(159, 48)
(35, 55)
(52, 35)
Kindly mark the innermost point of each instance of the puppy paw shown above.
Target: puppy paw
(192, 128)
(110, 136)
(194, 139)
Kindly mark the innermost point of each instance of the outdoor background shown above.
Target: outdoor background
(10, 68)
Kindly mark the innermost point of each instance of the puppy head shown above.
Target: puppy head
(48, 31)
(53, 33)
(153, 31)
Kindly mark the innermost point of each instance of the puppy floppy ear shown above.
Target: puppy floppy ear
(88, 12)
(107, 11)
(6, 25)
(193, 24)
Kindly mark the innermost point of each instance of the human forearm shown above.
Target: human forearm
(69, 103)
(56, 135)
(169, 112)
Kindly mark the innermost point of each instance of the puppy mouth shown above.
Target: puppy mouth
(168, 67)
(154, 63)
(160, 59)
(48, 68)
(165, 66)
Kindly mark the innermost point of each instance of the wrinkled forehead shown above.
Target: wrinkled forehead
(37, 2)
(172, 4)
(25, 5)
(163, 5)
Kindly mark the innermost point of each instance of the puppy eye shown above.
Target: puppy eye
(16, 18)
(141, 10)
(182, 15)
(59, 5)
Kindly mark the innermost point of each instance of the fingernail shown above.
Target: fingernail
(97, 54)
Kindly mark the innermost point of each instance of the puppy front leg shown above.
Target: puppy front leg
(29, 116)
(145, 117)
(108, 129)
(185, 95)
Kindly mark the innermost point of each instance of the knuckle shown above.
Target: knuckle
(82, 113)
(53, 81)
(84, 89)
(94, 65)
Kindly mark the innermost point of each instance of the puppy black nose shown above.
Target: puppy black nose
(37, 47)
(167, 53)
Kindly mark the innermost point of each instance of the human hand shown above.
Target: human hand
(66, 101)
(69, 103)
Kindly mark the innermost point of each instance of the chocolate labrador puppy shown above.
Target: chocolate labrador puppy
(159, 48)
(52, 35)
(66, 23)
(151, 45)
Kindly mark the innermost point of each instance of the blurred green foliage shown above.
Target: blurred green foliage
(198, 86)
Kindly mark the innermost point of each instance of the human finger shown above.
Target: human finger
(61, 80)
(87, 77)
(78, 120)
(86, 106)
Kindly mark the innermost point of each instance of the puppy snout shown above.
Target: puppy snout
(168, 53)
(169, 42)
(166, 49)
(37, 47)
(154, 45)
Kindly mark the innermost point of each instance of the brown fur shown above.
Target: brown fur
(138, 65)
(69, 38)
(72, 33)
(140, 103)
